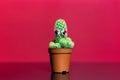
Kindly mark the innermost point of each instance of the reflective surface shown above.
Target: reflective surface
(55, 76)
(41, 71)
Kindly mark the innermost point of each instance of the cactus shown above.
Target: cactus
(61, 36)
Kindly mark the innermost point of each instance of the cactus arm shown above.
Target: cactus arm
(54, 45)
(66, 43)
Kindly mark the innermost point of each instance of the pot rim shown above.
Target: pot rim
(60, 50)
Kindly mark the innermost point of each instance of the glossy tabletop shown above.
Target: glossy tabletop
(41, 71)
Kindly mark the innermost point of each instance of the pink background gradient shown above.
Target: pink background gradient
(26, 28)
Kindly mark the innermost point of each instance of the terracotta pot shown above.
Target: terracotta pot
(60, 59)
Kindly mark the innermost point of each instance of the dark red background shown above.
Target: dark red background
(26, 28)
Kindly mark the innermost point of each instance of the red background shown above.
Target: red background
(26, 28)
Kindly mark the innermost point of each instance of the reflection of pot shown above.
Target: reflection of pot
(55, 76)
(60, 59)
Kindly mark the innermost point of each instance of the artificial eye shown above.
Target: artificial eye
(57, 32)
(64, 32)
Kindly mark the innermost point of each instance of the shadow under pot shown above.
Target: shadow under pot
(55, 76)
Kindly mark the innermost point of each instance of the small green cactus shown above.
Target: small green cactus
(61, 40)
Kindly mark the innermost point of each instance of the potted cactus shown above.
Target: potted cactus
(60, 48)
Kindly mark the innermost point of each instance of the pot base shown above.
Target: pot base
(63, 72)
